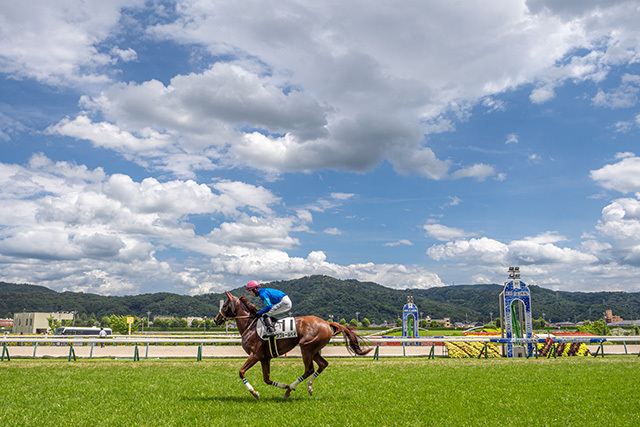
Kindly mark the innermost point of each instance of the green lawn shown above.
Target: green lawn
(357, 391)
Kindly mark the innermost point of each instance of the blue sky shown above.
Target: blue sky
(191, 146)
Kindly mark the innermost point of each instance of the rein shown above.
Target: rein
(225, 318)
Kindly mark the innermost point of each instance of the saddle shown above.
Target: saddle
(285, 328)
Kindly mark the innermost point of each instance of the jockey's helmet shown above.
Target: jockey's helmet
(252, 285)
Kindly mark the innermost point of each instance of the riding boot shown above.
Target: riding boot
(268, 323)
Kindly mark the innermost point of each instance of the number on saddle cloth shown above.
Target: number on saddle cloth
(285, 328)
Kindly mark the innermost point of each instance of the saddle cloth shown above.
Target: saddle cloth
(285, 328)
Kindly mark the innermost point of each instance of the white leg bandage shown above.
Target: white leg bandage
(279, 385)
(246, 383)
(312, 379)
(295, 383)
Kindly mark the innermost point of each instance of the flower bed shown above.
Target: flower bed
(563, 349)
(472, 349)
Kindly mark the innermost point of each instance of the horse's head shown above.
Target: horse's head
(228, 310)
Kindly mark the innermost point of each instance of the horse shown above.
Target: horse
(314, 334)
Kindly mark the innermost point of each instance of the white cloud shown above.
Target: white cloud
(276, 265)
(625, 96)
(623, 176)
(256, 232)
(453, 201)
(57, 44)
(104, 232)
(512, 138)
(333, 231)
(273, 107)
(442, 232)
(479, 172)
(529, 251)
(401, 242)
(542, 94)
(107, 135)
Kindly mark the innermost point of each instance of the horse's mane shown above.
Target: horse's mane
(245, 301)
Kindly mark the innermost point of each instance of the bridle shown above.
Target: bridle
(225, 318)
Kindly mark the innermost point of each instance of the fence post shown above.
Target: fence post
(199, 353)
(72, 352)
(146, 354)
(484, 350)
(432, 354)
(376, 354)
(136, 355)
(35, 347)
(5, 350)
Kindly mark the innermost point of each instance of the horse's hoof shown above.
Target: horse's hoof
(310, 391)
(287, 394)
(256, 394)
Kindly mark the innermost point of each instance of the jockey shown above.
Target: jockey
(275, 302)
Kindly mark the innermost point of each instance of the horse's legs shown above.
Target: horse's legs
(307, 358)
(266, 371)
(322, 364)
(252, 360)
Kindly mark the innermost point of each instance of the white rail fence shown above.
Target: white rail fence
(49, 346)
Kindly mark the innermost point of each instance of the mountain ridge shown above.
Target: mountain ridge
(324, 296)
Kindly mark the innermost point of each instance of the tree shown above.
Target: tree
(353, 322)
(162, 323)
(538, 323)
(177, 322)
(597, 328)
(343, 321)
(119, 324)
(365, 322)
(53, 323)
(398, 322)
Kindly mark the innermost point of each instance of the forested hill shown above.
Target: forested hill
(323, 296)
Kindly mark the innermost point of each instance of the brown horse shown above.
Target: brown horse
(313, 335)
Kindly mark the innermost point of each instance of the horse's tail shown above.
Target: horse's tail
(353, 341)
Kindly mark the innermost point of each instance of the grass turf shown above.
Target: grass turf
(388, 392)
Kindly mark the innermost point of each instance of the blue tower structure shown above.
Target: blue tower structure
(515, 311)
(409, 309)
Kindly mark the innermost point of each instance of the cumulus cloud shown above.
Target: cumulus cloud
(277, 265)
(57, 44)
(104, 232)
(623, 176)
(538, 250)
(329, 89)
(292, 99)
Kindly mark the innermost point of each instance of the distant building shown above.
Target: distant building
(610, 318)
(624, 324)
(36, 323)
(6, 323)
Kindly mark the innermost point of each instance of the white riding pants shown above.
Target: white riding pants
(282, 307)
